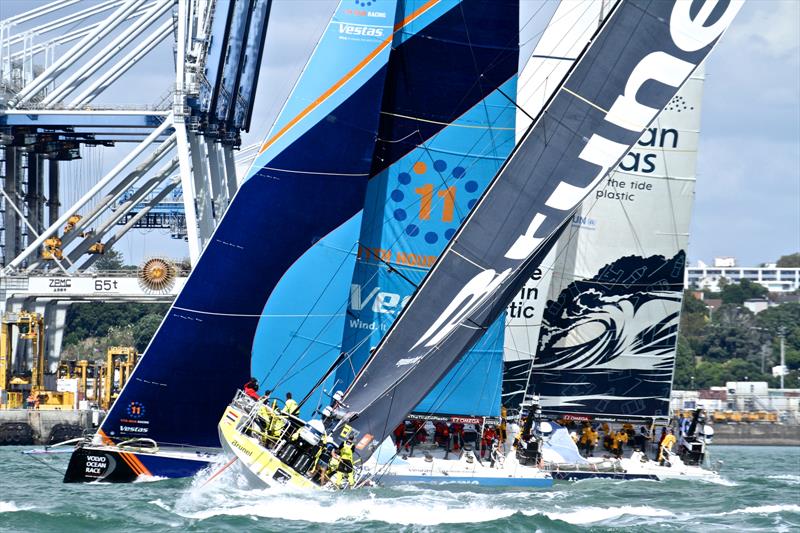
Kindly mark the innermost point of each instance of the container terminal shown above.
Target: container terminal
(66, 105)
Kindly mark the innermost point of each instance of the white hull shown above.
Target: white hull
(429, 465)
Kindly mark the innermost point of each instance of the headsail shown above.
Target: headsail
(644, 51)
(604, 344)
(445, 130)
(309, 179)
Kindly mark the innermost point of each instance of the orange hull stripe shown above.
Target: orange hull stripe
(347, 77)
(125, 457)
(137, 463)
(130, 459)
(105, 438)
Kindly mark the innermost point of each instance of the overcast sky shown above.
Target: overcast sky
(748, 188)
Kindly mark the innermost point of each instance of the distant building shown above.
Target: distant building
(739, 396)
(780, 280)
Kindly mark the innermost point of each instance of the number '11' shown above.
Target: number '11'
(426, 192)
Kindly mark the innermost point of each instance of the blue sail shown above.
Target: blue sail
(308, 180)
(446, 127)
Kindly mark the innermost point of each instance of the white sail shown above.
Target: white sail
(613, 335)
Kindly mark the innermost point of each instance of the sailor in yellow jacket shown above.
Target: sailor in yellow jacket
(666, 447)
(290, 406)
(345, 464)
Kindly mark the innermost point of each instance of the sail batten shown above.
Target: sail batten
(632, 68)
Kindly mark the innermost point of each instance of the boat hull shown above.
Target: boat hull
(261, 466)
(434, 465)
(110, 464)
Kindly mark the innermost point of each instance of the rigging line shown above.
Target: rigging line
(554, 67)
(515, 104)
(480, 76)
(415, 132)
(389, 266)
(263, 315)
(319, 297)
(440, 123)
(343, 307)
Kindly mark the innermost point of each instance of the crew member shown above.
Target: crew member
(251, 388)
(398, 433)
(487, 440)
(322, 460)
(619, 439)
(346, 463)
(666, 448)
(588, 439)
(290, 407)
(501, 434)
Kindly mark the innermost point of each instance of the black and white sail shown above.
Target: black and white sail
(641, 55)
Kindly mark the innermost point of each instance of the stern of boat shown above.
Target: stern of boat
(261, 466)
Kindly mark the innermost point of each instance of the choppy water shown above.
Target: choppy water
(762, 493)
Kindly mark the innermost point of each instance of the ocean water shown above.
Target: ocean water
(761, 492)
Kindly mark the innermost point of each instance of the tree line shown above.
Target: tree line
(731, 343)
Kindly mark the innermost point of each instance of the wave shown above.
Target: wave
(791, 478)
(11, 507)
(591, 515)
(764, 509)
(327, 508)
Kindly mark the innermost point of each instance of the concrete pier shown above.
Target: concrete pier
(757, 434)
(31, 426)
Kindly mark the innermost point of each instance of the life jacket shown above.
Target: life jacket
(290, 407)
(346, 452)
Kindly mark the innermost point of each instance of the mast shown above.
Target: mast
(597, 114)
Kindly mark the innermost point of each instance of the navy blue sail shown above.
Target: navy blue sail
(642, 53)
(308, 181)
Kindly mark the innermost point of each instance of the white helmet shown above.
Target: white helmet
(546, 429)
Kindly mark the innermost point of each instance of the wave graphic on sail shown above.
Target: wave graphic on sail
(607, 343)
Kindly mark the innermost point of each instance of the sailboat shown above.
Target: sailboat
(592, 336)
(596, 114)
(268, 296)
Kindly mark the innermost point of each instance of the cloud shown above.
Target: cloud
(773, 27)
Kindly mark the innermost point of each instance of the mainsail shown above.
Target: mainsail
(309, 179)
(441, 139)
(604, 343)
(643, 52)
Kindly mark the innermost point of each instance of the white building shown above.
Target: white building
(773, 278)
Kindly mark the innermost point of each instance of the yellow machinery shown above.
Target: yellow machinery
(52, 249)
(97, 248)
(71, 221)
(31, 327)
(120, 361)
